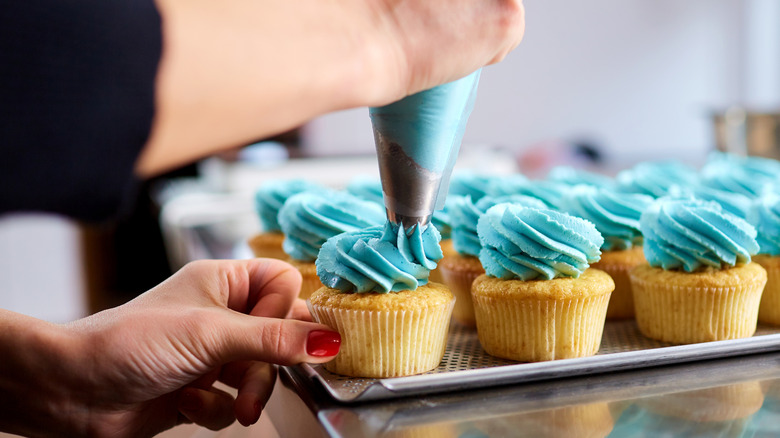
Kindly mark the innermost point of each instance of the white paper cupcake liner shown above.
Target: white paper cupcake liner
(392, 343)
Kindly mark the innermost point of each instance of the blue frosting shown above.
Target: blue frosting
(655, 179)
(465, 214)
(529, 243)
(309, 219)
(765, 216)
(379, 259)
(616, 215)
(549, 192)
(470, 184)
(367, 188)
(691, 234)
(750, 177)
(571, 176)
(734, 203)
(270, 198)
(442, 219)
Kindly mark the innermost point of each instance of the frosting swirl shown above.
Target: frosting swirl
(765, 216)
(466, 213)
(367, 188)
(379, 259)
(690, 234)
(734, 203)
(529, 243)
(750, 177)
(573, 177)
(655, 179)
(615, 215)
(469, 184)
(270, 198)
(549, 192)
(309, 219)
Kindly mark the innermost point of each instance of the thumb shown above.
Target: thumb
(273, 340)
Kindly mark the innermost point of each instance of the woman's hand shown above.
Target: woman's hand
(148, 365)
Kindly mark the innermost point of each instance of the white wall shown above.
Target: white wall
(638, 76)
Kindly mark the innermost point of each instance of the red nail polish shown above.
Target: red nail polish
(322, 343)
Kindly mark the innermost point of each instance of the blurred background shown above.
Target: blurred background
(602, 84)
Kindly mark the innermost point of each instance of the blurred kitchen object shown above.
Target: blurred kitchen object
(745, 132)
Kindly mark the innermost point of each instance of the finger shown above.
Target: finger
(254, 392)
(205, 381)
(211, 408)
(279, 341)
(299, 311)
(273, 288)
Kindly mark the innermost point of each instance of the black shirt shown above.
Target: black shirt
(76, 102)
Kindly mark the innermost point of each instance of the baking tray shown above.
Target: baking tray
(465, 364)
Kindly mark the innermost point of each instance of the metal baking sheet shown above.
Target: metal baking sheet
(465, 364)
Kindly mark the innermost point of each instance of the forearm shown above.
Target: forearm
(35, 394)
(234, 72)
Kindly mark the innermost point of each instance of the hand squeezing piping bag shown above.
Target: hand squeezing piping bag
(417, 141)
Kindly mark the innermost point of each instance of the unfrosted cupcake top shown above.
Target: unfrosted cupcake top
(751, 177)
(615, 215)
(691, 234)
(465, 214)
(655, 179)
(309, 219)
(765, 216)
(270, 198)
(367, 188)
(379, 259)
(549, 192)
(529, 243)
(573, 177)
(734, 203)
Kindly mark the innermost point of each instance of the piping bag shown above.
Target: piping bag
(417, 141)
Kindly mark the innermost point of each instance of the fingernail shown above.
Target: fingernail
(258, 410)
(189, 401)
(322, 343)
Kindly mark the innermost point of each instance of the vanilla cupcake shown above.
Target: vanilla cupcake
(269, 199)
(765, 216)
(539, 300)
(616, 216)
(392, 321)
(459, 270)
(699, 284)
(309, 219)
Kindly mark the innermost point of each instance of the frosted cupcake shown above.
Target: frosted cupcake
(735, 203)
(699, 284)
(391, 320)
(616, 216)
(765, 216)
(539, 300)
(655, 178)
(269, 199)
(460, 269)
(750, 176)
(473, 185)
(309, 219)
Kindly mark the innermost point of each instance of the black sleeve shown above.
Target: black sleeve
(76, 102)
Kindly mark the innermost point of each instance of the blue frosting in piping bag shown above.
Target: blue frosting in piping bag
(417, 142)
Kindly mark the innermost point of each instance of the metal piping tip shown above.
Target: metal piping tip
(408, 222)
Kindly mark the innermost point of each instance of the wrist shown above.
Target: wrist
(37, 387)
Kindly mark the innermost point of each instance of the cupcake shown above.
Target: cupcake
(539, 300)
(473, 185)
(368, 188)
(309, 219)
(392, 321)
(734, 203)
(269, 199)
(459, 270)
(765, 216)
(616, 216)
(655, 178)
(699, 284)
(442, 220)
